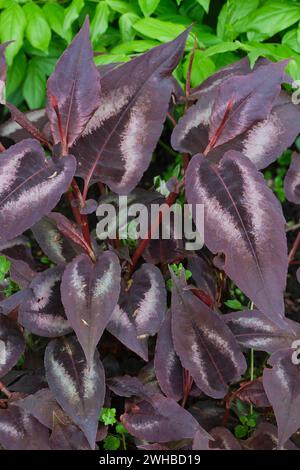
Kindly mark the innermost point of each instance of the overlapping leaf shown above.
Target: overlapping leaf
(21, 431)
(77, 387)
(141, 309)
(74, 89)
(15, 132)
(282, 386)
(42, 312)
(117, 143)
(204, 344)
(31, 186)
(90, 292)
(244, 221)
(292, 180)
(12, 344)
(253, 329)
(167, 365)
(265, 438)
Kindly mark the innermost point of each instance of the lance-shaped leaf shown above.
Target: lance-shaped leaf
(204, 344)
(117, 143)
(221, 439)
(244, 221)
(167, 365)
(265, 438)
(127, 386)
(31, 186)
(282, 386)
(21, 431)
(42, 311)
(141, 309)
(160, 419)
(67, 437)
(252, 98)
(21, 272)
(57, 246)
(292, 180)
(253, 329)
(73, 89)
(253, 393)
(12, 344)
(77, 387)
(12, 130)
(90, 292)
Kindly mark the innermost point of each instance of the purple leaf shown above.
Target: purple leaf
(204, 275)
(78, 388)
(254, 393)
(12, 130)
(59, 248)
(42, 311)
(12, 344)
(252, 329)
(90, 292)
(160, 419)
(253, 96)
(31, 186)
(21, 272)
(21, 431)
(282, 386)
(73, 89)
(127, 386)
(67, 437)
(243, 220)
(167, 365)
(292, 180)
(204, 344)
(117, 143)
(265, 438)
(141, 309)
(12, 302)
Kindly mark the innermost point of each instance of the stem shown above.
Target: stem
(251, 364)
(2, 148)
(63, 138)
(218, 132)
(124, 441)
(4, 390)
(172, 119)
(294, 248)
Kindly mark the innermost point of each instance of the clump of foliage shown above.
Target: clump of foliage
(98, 306)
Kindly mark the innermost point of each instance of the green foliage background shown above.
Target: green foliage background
(225, 31)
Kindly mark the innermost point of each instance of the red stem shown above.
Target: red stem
(219, 131)
(294, 248)
(63, 137)
(2, 148)
(4, 390)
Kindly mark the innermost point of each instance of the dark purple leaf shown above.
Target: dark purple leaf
(141, 309)
(292, 180)
(223, 439)
(12, 130)
(117, 143)
(127, 386)
(203, 274)
(42, 311)
(67, 437)
(74, 87)
(21, 431)
(12, 344)
(11, 303)
(78, 388)
(201, 442)
(252, 329)
(31, 186)
(90, 292)
(254, 393)
(168, 367)
(252, 97)
(204, 344)
(265, 438)
(59, 248)
(243, 220)
(69, 230)
(210, 413)
(153, 446)
(160, 419)
(282, 386)
(21, 272)
(19, 249)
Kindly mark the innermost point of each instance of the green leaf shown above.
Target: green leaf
(231, 13)
(111, 442)
(55, 15)
(126, 22)
(134, 46)
(34, 87)
(121, 7)
(46, 64)
(204, 4)
(6, 3)
(4, 267)
(202, 68)
(120, 429)
(240, 431)
(99, 23)
(108, 416)
(162, 30)
(234, 304)
(104, 59)
(272, 17)
(16, 73)
(291, 40)
(12, 25)
(148, 6)
(38, 31)
(221, 48)
(72, 13)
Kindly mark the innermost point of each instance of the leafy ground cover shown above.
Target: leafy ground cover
(131, 343)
